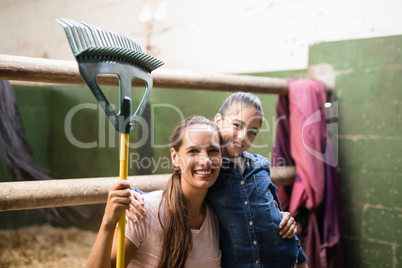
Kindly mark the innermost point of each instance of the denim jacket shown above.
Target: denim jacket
(249, 219)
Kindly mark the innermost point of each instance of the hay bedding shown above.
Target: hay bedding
(45, 246)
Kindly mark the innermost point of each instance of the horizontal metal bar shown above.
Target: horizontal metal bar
(30, 69)
(71, 192)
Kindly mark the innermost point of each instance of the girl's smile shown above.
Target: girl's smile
(239, 129)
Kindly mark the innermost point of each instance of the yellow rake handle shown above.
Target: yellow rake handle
(124, 139)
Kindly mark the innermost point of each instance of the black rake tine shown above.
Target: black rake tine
(132, 54)
(152, 60)
(147, 58)
(142, 57)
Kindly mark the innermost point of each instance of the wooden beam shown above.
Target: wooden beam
(72, 192)
(66, 72)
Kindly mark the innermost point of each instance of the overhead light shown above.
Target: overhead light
(159, 10)
(144, 12)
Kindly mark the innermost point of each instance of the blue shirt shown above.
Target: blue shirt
(248, 218)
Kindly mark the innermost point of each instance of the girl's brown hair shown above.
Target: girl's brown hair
(245, 99)
(177, 238)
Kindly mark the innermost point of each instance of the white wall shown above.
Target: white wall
(233, 36)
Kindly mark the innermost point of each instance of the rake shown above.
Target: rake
(99, 51)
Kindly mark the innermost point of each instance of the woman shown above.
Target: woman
(179, 229)
(244, 198)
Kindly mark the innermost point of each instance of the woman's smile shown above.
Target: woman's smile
(204, 172)
(199, 157)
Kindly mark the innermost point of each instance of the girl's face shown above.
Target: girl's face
(239, 127)
(199, 157)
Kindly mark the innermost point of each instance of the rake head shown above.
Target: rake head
(89, 42)
(99, 51)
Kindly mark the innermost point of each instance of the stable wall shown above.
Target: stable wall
(33, 105)
(369, 97)
(368, 90)
(166, 108)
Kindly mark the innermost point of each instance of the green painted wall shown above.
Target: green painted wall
(166, 108)
(368, 88)
(369, 74)
(34, 111)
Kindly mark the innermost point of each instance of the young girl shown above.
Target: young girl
(179, 229)
(243, 197)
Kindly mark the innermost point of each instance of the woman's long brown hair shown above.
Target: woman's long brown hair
(177, 238)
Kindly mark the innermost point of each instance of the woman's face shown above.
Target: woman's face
(199, 157)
